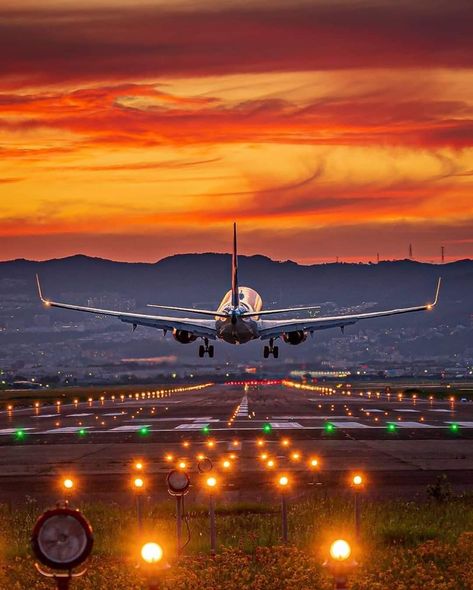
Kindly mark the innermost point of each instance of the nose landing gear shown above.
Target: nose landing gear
(207, 349)
(271, 349)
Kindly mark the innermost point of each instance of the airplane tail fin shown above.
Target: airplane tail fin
(235, 297)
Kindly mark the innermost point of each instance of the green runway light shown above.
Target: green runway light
(454, 427)
(206, 429)
(20, 434)
(267, 428)
(144, 430)
(391, 427)
(82, 432)
(329, 427)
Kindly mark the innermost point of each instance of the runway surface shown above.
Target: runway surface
(399, 441)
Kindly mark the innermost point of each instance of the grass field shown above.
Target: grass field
(404, 545)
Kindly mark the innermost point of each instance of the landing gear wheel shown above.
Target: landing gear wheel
(271, 349)
(206, 349)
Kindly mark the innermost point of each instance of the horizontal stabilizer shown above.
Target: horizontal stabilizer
(190, 310)
(273, 311)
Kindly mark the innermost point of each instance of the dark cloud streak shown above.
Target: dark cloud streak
(129, 43)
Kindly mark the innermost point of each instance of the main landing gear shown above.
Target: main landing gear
(206, 349)
(271, 349)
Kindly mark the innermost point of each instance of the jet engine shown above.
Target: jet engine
(295, 337)
(183, 336)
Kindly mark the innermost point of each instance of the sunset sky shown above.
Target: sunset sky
(326, 128)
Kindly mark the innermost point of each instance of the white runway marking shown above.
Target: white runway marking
(374, 410)
(46, 416)
(412, 425)
(405, 410)
(6, 431)
(311, 417)
(65, 430)
(281, 425)
(463, 424)
(81, 415)
(348, 424)
(128, 428)
(439, 410)
(194, 426)
(109, 414)
(197, 420)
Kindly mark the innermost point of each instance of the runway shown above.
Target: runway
(399, 441)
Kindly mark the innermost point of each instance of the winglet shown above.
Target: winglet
(45, 301)
(431, 305)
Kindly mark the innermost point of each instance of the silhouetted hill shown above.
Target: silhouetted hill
(191, 279)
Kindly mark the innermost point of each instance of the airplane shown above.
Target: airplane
(240, 318)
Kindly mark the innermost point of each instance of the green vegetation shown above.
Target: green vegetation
(404, 545)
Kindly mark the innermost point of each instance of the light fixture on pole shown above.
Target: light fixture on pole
(178, 483)
(340, 563)
(62, 539)
(283, 484)
(211, 484)
(153, 563)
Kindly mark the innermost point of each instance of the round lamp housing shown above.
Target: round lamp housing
(62, 538)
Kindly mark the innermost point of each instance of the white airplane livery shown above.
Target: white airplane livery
(239, 318)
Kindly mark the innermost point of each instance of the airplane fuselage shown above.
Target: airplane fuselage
(235, 329)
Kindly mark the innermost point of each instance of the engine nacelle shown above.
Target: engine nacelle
(295, 337)
(183, 336)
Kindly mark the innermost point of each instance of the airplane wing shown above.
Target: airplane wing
(204, 328)
(272, 329)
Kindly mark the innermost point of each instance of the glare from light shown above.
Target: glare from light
(151, 553)
(211, 482)
(138, 483)
(68, 483)
(314, 462)
(283, 481)
(138, 465)
(340, 550)
(357, 480)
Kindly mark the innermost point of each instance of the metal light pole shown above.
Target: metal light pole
(178, 483)
(138, 486)
(357, 485)
(283, 483)
(211, 483)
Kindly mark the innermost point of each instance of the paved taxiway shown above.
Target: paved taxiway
(345, 429)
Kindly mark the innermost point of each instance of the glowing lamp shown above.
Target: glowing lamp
(68, 483)
(151, 553)
(357, 480)
(314, 463)
(138, 483)
(138, 466)
(283, 481)
(340, 550)
(211, 482)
